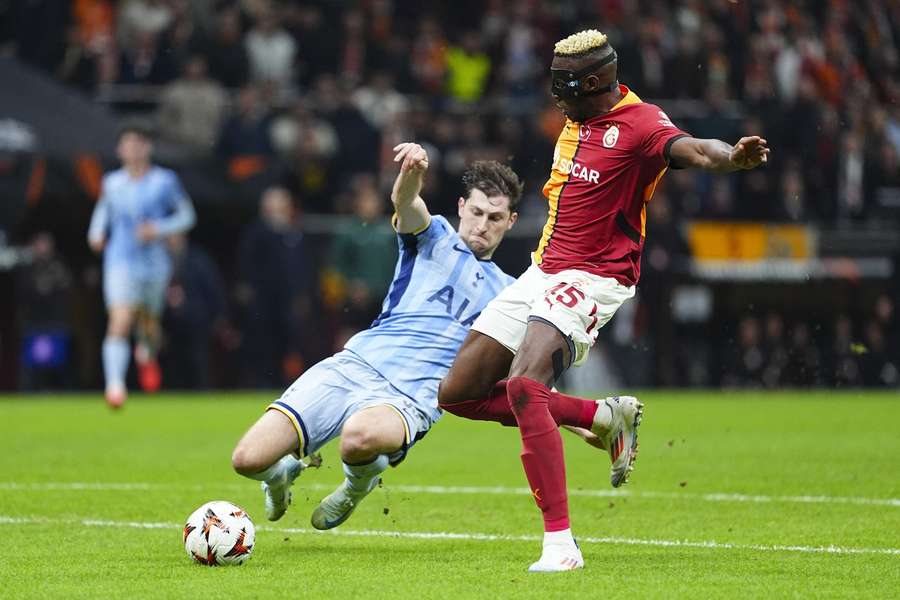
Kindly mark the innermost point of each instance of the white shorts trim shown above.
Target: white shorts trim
(575, 302)
(330, 392)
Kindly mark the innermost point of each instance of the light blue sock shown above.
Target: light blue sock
(362, 479)
(116, 352)
(274, 472)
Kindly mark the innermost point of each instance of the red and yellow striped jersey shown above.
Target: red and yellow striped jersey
(604, 172)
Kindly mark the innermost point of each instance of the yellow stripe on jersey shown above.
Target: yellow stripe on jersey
(563, 156)
(395, 218)
(648, 193)
(294, 422)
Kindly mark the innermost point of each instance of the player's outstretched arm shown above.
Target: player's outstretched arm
(716, 155)
(411, 213)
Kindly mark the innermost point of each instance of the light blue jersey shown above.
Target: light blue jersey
(439, 288)
(124, 204)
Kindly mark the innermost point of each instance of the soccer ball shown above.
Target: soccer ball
(219, 533)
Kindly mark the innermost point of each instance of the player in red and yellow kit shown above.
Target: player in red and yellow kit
(609, 158)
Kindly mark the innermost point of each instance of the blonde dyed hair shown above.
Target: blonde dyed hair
(581, 43)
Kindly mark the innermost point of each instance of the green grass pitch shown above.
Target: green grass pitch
(734, 495)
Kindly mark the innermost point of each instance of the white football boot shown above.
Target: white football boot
(336, 507)
(278, 490)
(558, 557)
(616, 424)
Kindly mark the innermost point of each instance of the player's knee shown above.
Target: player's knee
(448, 393)
(453, 391)
(517, 392)
(118, 328)
(246, 461)
(357, 440)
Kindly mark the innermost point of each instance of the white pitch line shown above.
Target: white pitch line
(710, 497)
(77, 486)
(469, 536)
(489, 490)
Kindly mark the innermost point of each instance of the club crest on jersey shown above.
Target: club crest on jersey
(611, 137)
(584, 133)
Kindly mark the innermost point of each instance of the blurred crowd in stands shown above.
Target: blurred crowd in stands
(769, 353)
(266, 328)
(324, 89)
(313, 95)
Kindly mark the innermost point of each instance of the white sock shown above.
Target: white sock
(274, 472)
(559, 538)
(115, 360)
(362, 479)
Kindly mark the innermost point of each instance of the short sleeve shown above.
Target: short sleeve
(659, 135)
(433, 236)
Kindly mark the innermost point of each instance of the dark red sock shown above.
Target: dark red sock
(493, 408)
(542, 450)
(565, 409)
(572, 410)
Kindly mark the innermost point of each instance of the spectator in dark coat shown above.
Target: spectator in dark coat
(275, 293)
(226, 53)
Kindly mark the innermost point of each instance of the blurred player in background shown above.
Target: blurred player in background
(140, 205)
(611, 154)
(380, 393)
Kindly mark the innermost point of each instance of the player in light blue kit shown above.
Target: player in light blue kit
(140, 205)
(380, 393)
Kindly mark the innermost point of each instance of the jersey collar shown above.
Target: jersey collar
(628, 97)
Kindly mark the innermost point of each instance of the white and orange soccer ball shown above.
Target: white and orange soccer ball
(219, 533)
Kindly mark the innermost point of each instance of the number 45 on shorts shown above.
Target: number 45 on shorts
(569, 295)
(578, 308)
(564, 293)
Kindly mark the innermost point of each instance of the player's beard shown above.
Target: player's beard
(578, 110)
(577, 114)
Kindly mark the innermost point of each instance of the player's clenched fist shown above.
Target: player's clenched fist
(412, 158)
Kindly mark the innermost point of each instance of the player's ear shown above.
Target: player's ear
(512, 220)
(590, 83)
(462, 205)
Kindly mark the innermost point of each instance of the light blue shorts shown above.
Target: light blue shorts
(121, 287)
(324, 397)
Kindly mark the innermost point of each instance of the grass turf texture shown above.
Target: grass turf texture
(174, 452)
